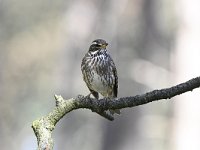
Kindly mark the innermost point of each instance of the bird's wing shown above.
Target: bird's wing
(114, 70)
(115, 88)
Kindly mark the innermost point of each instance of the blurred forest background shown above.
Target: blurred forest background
(155, 44)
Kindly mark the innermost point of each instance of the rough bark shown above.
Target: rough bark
(44, 126)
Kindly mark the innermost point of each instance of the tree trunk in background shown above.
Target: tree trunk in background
(186, 133)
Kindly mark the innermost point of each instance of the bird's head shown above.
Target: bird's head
(97, 45)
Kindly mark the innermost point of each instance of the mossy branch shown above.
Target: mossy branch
(44, 126)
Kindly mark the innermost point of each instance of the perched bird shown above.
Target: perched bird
(99, 71)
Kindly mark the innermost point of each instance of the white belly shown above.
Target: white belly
(97, 84)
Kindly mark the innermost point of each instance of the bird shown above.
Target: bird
(99, 72)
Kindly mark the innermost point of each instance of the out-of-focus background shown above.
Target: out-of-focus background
(155, 44)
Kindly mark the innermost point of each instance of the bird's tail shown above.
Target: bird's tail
(116, 111)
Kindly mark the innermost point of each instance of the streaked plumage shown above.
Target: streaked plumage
(99, 71)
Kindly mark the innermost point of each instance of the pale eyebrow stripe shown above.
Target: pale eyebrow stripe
(94, 43)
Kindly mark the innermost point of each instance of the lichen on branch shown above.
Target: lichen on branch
(44, 126)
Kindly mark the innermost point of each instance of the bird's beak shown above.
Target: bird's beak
(104, 45)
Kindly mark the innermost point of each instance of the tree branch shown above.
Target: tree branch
(44, 126)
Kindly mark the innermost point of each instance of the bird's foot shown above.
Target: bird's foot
(88, 96)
